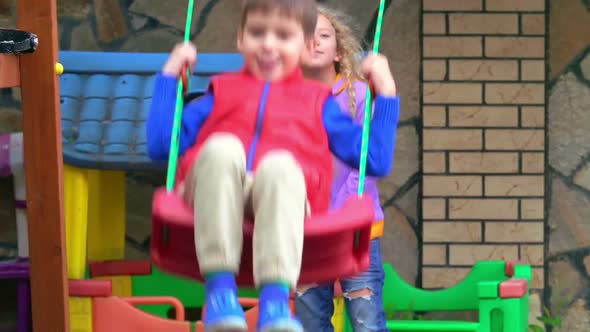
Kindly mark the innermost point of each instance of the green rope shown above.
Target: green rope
(174, 142)
(368, 104)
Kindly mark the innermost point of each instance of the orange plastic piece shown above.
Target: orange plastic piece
(118, 314)
(251, 314)
(251, 320)
(9, 67)
(377, 229)
(337, 289)
(248, 301)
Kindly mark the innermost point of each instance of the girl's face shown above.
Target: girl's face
(324, 52)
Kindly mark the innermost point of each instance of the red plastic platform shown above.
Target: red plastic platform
(118, 268)
(336, 244)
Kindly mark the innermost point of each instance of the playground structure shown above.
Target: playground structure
(103, 106)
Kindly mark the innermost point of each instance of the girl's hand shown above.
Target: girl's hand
(182, 54)
(375, 67)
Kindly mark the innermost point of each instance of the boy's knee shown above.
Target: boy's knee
(279, 165)
(223, 147)
(221, 142)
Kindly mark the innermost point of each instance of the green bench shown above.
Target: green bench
(497, 290)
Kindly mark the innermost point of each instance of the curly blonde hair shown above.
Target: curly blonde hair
(348, 48)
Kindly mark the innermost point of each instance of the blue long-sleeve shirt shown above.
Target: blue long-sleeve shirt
(344, 135)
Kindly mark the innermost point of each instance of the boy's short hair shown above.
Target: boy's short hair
(304, 11)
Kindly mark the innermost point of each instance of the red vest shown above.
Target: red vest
(290, 119)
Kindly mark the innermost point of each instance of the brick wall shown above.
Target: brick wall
(483, 144)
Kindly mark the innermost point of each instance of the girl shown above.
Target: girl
(335, 60)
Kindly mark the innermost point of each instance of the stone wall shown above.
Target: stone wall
(568, 164)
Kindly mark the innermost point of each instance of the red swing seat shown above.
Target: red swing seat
(336, 244)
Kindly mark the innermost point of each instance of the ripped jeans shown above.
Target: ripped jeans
(314, 306)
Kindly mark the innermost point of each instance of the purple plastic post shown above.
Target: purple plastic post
(20, 204)
(20, 270)
(24, 306)
(15, 270)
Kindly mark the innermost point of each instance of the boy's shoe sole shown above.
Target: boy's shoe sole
(228, 325)
(283, 325)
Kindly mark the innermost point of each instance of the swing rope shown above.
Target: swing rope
(174, 141)
(368, 108)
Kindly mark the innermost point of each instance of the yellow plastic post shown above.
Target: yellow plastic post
(80, 314)
(106, 215)
(338, 316)
(121, 285)
(76, 216)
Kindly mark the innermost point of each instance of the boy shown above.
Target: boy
(259, 143)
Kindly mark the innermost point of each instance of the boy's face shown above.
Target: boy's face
(271, 44)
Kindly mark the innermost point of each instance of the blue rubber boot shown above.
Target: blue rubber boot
(223, 312)
(275, 315)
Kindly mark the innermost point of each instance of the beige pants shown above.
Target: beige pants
(222, 192)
